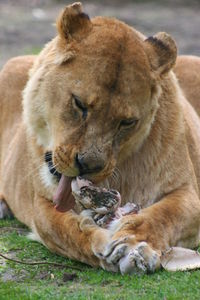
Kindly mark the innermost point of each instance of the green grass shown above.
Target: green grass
(19, 281)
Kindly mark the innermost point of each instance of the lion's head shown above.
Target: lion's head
(93, 92)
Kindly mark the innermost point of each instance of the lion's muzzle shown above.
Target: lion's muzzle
(88, 163)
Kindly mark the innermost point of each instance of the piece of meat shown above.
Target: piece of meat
(98, 199)
(102, 204)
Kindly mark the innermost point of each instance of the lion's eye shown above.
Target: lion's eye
(128, 123)
(80, 106)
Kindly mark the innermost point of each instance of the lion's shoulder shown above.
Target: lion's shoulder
(187, 70)
(13, 78)
(17, 68)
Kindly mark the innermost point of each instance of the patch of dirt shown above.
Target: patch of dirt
(27, 25)
(20, 231)
(10, 275)
(69, 277)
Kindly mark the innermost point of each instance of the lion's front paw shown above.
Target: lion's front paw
(141, 259)
(129, 257)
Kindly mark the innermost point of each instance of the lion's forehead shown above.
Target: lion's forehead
(104, 82)
(109, 71)
(113, 59)
(112, 54)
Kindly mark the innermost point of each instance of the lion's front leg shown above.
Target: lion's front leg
(138, 240)
(69, 234)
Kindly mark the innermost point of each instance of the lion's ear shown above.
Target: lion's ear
(161, 51)
(73, 23)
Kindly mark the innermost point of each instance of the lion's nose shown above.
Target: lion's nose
(88, 163)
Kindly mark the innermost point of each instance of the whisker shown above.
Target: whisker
(34, 170)
(48, 155)
(54, 167)
(116, 176)
(117, 170)
(107, 183)
(41, 162)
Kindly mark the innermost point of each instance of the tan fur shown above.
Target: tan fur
(187, 71)
(118, 74)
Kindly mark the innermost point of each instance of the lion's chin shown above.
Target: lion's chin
(94, 177)
(69, 172)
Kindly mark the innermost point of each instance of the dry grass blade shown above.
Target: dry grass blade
(34, 263)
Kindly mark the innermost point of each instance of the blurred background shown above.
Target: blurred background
(26, 25)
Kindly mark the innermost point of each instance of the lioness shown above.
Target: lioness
(102, 102)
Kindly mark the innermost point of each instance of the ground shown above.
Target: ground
(25, 27)
(18, 281)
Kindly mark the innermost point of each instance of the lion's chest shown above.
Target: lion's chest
(139, 184)
(142, 195)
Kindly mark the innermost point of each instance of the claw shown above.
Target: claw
(117, 254)
(126, 265)
(110, 248)
(149, 255)
(141, 259)
(102, 221)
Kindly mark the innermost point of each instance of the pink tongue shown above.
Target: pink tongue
(63, 198)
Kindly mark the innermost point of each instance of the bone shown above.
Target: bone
(105, 203)
(103, 206)
(127, 209)
(180, 259)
